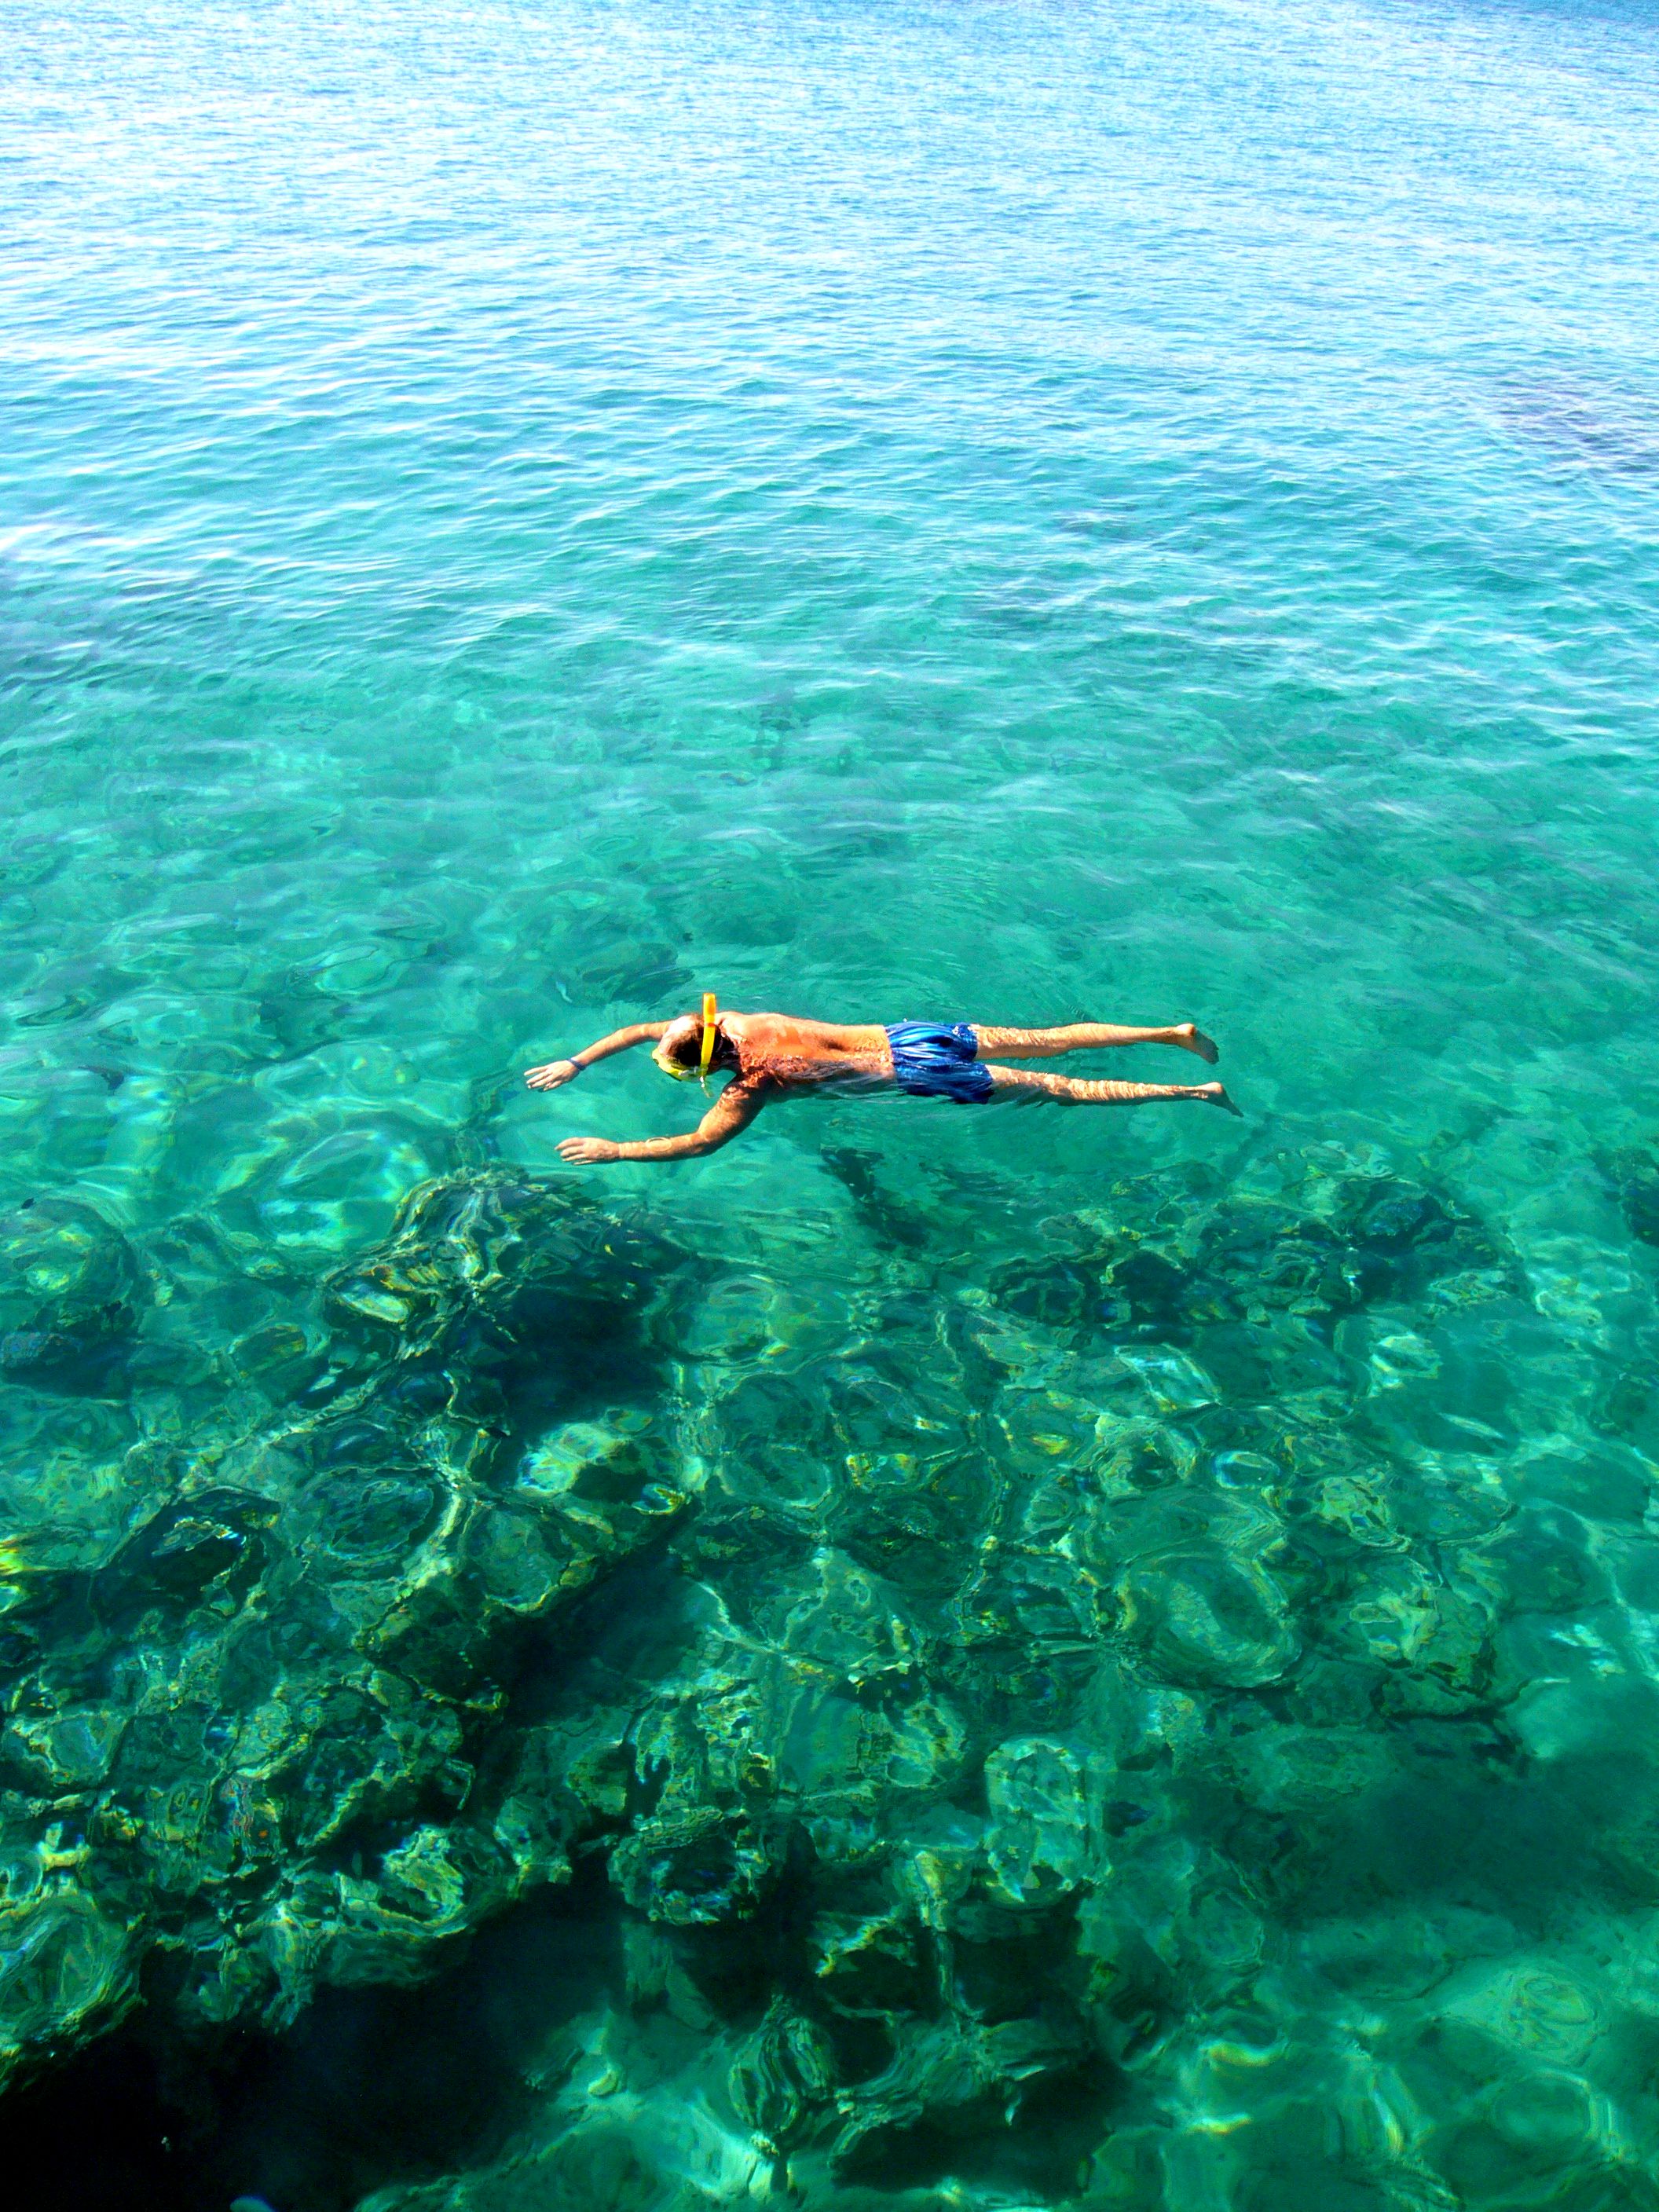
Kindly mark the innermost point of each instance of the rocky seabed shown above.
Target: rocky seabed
(1152, 1712)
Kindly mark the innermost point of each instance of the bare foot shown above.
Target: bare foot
(1191, 1039)
(1215, 1094)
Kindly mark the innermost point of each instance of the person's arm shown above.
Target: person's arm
(733, 1111)
(565, 1070)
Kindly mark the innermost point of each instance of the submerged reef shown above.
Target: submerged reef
(1088, 1716)
(249, 1712)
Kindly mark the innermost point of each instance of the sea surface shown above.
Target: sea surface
(941, 1658)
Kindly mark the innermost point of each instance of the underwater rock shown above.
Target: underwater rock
(702, 1865)
(1185, 1582)
(886, 1218)
(1202, 1621)
(1530, 2009)
(71, 1291)
(873, 1966)
(1190, 1270)
(1289, 1770)
(1041, 1836)
(788, 2075)
(1632, 1174)
(65, 1967)
(266, 1711)
(640, 970)
(1432, 1633)
(959, 2076)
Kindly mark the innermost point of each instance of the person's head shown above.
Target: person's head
(678, 1050)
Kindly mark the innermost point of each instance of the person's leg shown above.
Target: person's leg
(1083, 1093)
(1089, 1036)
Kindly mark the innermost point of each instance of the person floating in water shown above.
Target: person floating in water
(773, 1057)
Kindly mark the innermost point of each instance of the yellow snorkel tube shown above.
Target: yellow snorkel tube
(705, 1058)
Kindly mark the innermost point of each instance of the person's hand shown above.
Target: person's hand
(589, 1151)
(550, 1077)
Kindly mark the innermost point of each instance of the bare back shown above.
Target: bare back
(787, 1050)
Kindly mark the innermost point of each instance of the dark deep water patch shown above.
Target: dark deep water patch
(373, 2085)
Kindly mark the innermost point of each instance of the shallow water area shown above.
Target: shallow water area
(1001, 1656)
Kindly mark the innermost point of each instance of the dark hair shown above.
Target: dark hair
(687, 1051)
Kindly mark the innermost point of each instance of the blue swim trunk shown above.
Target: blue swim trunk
(931, 1060)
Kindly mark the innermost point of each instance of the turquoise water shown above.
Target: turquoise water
(512, 515)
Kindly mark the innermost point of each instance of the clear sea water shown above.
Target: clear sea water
(513, 514)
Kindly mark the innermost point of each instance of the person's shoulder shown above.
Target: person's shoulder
(751, 1088)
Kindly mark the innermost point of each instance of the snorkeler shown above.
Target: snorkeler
(772, 1056)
